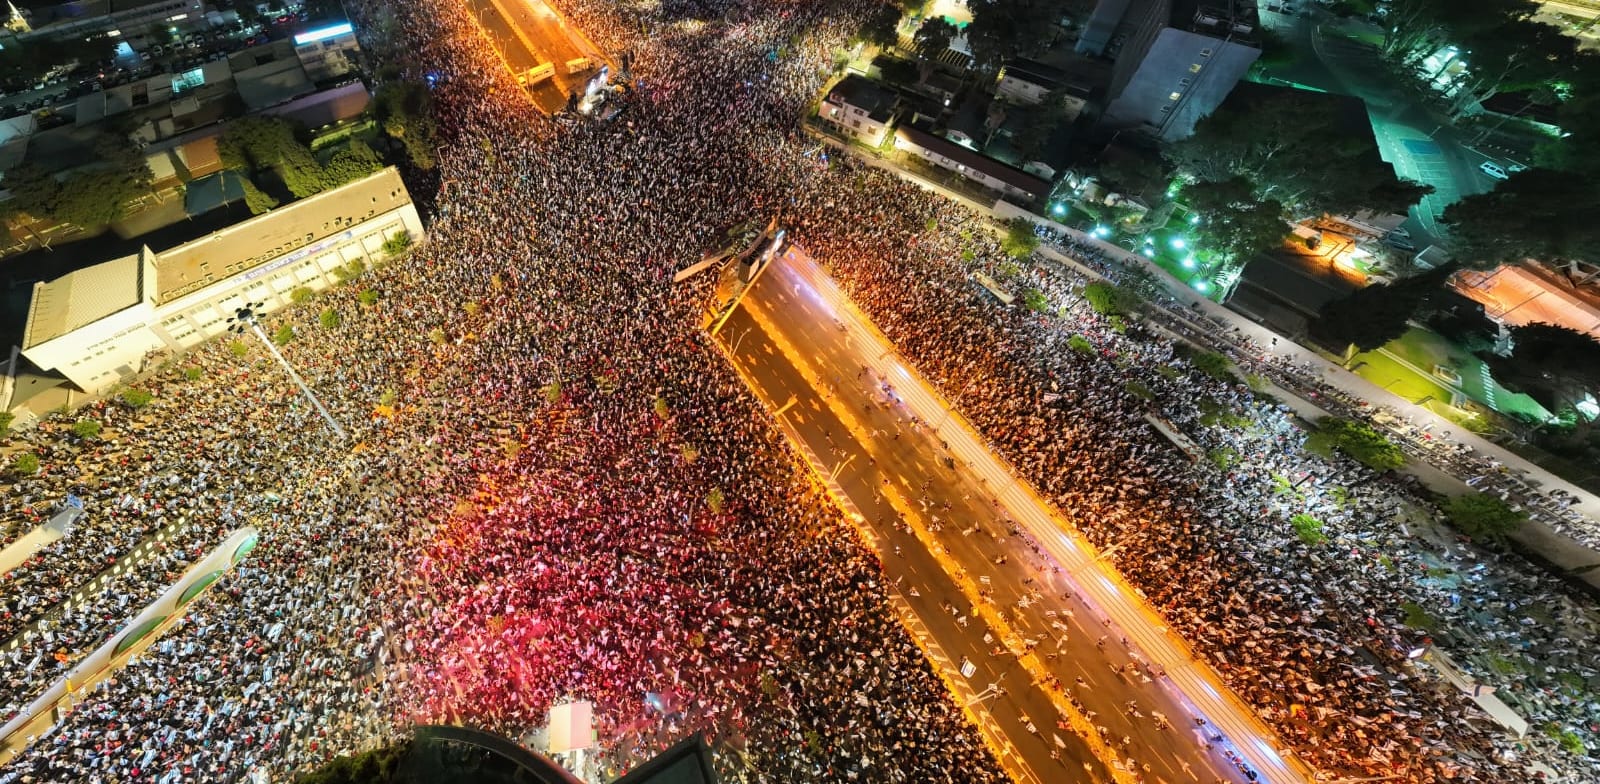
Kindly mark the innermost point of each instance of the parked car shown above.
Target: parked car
(1493, 170)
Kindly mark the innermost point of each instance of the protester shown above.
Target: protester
(556, 489)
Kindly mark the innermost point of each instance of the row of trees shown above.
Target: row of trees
(89, 196)
(255, 145)
(1545, 212)
(1508, 50)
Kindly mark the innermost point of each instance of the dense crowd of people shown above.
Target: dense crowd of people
(571, 497)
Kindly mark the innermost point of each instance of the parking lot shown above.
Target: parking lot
(140, 56)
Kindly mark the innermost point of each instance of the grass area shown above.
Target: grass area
(1426, 349)
(1397, 378)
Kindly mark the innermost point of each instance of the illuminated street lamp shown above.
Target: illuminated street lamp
(245, 319)
(1179, 243)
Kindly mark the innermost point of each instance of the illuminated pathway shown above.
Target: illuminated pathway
(796, 337)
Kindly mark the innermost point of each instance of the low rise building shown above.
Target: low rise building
(327, 51)
(102, 324)
(861, 108)
(988, 172)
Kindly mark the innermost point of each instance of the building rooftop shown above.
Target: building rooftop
(304, 224)
(83, 297)
(863, 93)
(1046, 76)
(1235, 19)
(973, 159)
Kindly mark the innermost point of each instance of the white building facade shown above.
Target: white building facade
(99, 326)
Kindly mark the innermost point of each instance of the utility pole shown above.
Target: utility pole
(245, 319)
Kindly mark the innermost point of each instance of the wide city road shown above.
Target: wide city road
(993, 577)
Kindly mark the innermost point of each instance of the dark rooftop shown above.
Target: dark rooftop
(863, 93)
(973, 159)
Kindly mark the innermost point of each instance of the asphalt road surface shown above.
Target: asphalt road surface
(989, 582)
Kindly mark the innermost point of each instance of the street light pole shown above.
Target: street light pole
(244, 319)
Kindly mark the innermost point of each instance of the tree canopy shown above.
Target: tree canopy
(90, 196)
(880, 25)
(1554, 365)
(1370, 317)
(1020, 239)
(1235, 222)
(1483, 516)
(1006, 29)
(933, 37)
(1359, 442)
(406, 111)
(1292, 147)
(1539, 213)
(1109, 299)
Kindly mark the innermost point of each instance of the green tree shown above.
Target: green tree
(238, 348)
(1005, 29)
(367, 297)
(1556, 366)
(136, 398)
(1208, 362)
(716, 500)
(34, 191)
(1109, 299)
(1517, 53)
(1359, 442)
(1308, 528)
(1080, 344)
(6, 420)
(879, 28)
(933, 37)
(300, 295)
(405, 109)
(1235, 223)
(352, 162)
(895, 70)
(258, 143)
(1140, 175)
(86, 429)
(329, 318)
(91, 195)
(1299, 149)
(256, 199)
(26, 464)
(1020, 241)
(284, 336)
(1483, 516)
(397, 244)
(1540, 213)
(1370, 317)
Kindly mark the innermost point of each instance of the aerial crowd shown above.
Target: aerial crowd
(555, 489)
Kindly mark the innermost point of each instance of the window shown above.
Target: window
(1166, 108)
(1205, 52)
(1184, 82)
(1174, 96)
(1195, 67)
